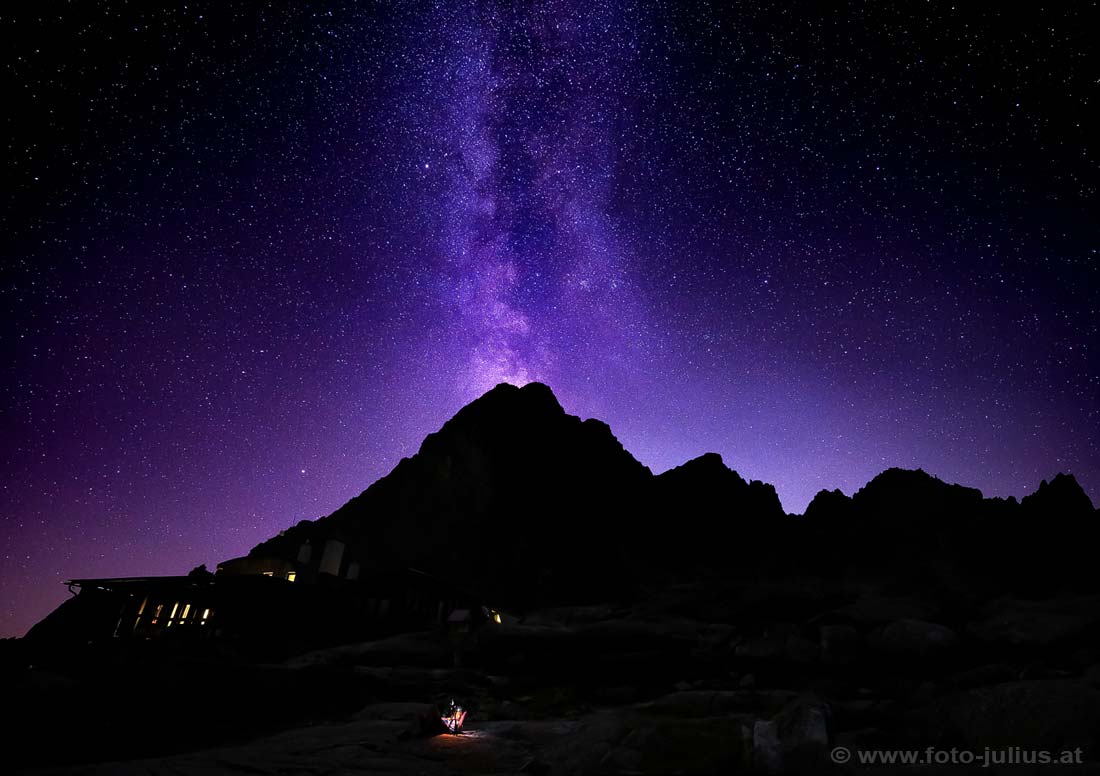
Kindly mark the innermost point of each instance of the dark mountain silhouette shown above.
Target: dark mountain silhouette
(511, 496)
(706, 511)
(529, 505)
(715, 633)
(1062, 496)
(913, 525)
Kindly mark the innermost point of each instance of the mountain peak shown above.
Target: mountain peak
(912, 488)
(532, 400)
(1063, 494)
(710, 460)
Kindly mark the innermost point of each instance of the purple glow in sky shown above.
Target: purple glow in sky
(252, 255)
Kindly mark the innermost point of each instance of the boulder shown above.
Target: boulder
(767, 756)
(840, 644)
(761, 648)
(801, 650)
(425, 649)
(771, 644)
(1036, 623)
(993, 673)
(710, 703)
(916, 639)
(803, 727)
(702, 746)
(795, 740)
(422, 718)
(880, 610)
(1042, 714)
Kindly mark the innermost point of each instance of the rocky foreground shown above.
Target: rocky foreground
(762, 677)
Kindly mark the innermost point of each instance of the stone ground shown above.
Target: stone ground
(757, 682)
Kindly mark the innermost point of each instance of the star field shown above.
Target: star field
(253, 254)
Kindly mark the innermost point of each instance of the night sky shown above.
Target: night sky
(253, 254)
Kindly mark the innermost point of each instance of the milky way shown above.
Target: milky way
(519, 157)
(253, 255)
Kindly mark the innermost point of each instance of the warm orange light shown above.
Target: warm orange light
(454, 718)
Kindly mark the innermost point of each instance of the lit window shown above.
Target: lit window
(269, 573)
(291, 576)
(496, 617)
(156, 614)
(205, 615)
